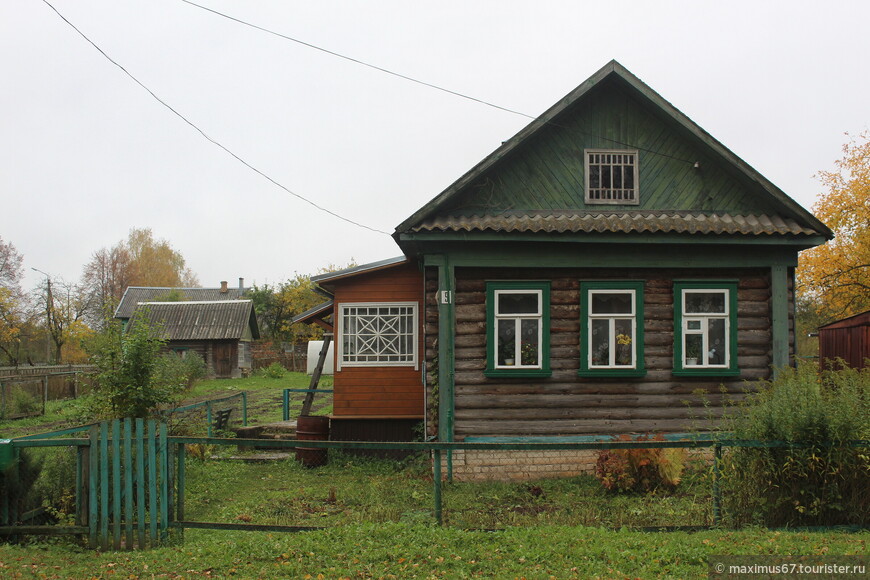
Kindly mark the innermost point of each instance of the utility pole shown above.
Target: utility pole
(49, 308)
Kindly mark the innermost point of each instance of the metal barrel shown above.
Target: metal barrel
(311, 428)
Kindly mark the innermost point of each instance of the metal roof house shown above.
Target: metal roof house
(219, 331)
(591, 276)
(133, 295)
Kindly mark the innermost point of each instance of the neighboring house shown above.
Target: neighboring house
(847, 339)
(612, 268)
(219, 331)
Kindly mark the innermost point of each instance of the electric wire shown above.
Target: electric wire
(420, 82)
(204, 134)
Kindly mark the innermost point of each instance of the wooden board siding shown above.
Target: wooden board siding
(380, 391)
(566, 404)
(847, 339)
(547, 171)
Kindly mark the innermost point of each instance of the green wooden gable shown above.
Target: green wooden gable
(535, 181)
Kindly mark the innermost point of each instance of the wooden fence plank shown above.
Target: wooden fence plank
(163, 482)
(129, 516)
(104, 485)
(140, 481)
(152, 481)
(93, 480)
(116, 484)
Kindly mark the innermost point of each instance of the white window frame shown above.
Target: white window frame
(518, 318)
(704, 319)
(612, 318)
(410, 359)
(612, 158)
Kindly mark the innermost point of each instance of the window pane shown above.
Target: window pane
(692, 350)
(610, 303)
(506, 342)
(594, 176)
(716, 342)
(529, 347)
(511, 303)
(600, 343)
(705, 302)
(624, 342)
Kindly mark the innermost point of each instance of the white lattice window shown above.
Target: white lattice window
(611, 176)
(378, 334)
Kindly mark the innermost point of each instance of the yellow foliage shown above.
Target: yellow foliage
(836, 276)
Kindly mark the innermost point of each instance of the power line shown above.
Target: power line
(418, 81)
(203, 133)
(360, 62)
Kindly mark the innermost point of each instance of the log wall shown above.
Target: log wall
(566, 404)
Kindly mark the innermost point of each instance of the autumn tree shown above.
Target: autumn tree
(12, 301)
(63, 307)
(835, 277)
(140, 260)
(277, 306)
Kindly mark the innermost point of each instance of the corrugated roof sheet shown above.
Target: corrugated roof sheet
(620, 222)
(319, 310)
(215, 320)
(133, 295)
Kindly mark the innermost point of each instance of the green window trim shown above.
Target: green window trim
(587, 289)
(729, 367)
(493, 291)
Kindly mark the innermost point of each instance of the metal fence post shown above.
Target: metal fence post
(717, 492)
(285, 406)
(244, 408)
(437, 482)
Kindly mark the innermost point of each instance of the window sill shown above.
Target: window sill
(612, 373)
(517, 372)
(706, 372)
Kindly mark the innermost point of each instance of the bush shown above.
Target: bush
(22, 404)
(129, 382)
(173, 369)
(273, 371)
(640, 470)
(822, 481)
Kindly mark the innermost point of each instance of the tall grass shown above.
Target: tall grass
(820, 481)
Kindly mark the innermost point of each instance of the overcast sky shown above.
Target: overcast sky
(86, 153)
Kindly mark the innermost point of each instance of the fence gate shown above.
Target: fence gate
(124, 486)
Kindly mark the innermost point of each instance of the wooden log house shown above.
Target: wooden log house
(612, 268)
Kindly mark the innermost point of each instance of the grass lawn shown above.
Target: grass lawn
(398, 550)
(377, 520)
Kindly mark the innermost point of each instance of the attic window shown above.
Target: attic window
(611, 176)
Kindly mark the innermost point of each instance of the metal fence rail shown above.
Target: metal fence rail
(131, 476)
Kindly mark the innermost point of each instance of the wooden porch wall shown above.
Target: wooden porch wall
(565, 404)
(380, 391)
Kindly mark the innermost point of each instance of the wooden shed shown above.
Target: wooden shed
(612, 268)
(847, 339)
(219, 331)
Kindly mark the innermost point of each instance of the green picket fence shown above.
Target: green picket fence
(123, 490)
